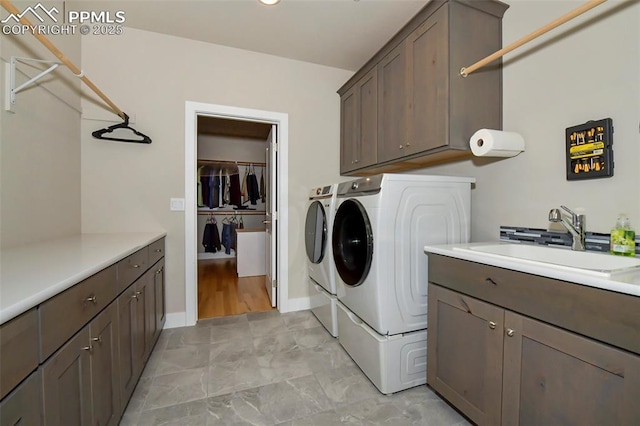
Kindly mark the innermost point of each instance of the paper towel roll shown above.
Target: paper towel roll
(496, 143)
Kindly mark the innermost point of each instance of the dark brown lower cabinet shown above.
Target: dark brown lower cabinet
(500, 367)
(141, 314)
(160, 309)
(105, 383)
(23, 405)
(131, 340)
(66, 383)
(552, 377)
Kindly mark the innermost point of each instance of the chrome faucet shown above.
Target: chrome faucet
(577, 227)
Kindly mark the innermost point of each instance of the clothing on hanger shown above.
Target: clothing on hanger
(214, 197)
(199, 185)
(226, 237)
(263, 192)
(252, 186)
(243, 189)
(234, 190)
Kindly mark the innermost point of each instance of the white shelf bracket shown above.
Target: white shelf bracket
(10, 76)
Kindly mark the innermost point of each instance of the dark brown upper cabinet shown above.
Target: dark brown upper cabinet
(421, 111)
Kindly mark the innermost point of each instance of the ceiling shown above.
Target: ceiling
(337, 33)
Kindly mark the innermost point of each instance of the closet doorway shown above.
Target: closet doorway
(233, 199)
(276, 212)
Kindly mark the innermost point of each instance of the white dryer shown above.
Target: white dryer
(318, 231)
(381, 226)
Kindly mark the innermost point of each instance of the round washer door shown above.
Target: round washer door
(352, 242)
(315, 234)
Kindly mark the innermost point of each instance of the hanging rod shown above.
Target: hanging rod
(465, 71)
(232, 212)
(232, 163)
(9, 7)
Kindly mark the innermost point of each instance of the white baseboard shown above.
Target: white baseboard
(175, 320)
(298, 304)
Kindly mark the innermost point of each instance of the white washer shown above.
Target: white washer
(381, 226)
(322, 284)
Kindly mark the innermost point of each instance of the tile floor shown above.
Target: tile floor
(268, 369)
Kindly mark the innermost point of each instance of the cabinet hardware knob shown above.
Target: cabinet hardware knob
(91, 299)
(510, 332)
(492, 325)
(158, 250)
(408, 144)
(88, 348)
(357, 161)
(159, 271)
(138, 293)
(401, 146)
(135, 296)
(97, 339)
(265, 222)
(490, 281)
(135, 265)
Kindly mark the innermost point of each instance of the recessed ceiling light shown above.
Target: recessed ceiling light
(269, 2)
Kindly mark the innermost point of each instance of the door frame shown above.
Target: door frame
(192, 111)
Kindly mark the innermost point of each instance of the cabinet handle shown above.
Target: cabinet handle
(408, 144)
(510, 332)
(492, 325)
(357, 161)
(91, 299)
(401, 146)
(158, 250)
(135, 265)
(490, 281)
(88, 348)
(136, 294)
(159, 271)
(97, 339)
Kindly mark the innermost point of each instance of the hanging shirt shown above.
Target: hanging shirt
(263, 191)
(234, 191)
(199, 183)
(243, 189)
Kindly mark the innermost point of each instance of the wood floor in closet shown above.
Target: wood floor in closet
(222, 293)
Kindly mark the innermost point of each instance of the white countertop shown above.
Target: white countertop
(33, 273)
(627, 282)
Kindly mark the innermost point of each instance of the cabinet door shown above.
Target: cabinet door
(428, 84)
(348, 131)
(105, 367)
(464, 352)
(367, 92)
(23, 406)
(359, 124)
(392, 104)
(552, 376)
(66, 380)
(131, 343)
(146, 286)
(159, 296)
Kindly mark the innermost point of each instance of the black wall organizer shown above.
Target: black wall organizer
(589, 150)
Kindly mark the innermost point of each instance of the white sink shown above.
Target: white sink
(600, 264)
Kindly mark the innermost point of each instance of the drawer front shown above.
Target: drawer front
(132, 267)
(600, 314)
(63, 315)
(156, 251)
(24, 405)
(18, 350)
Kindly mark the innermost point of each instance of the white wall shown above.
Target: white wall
(586, 70)
(39, 144)
(127, 187)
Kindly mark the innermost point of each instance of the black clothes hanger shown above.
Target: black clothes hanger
(99, 134)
